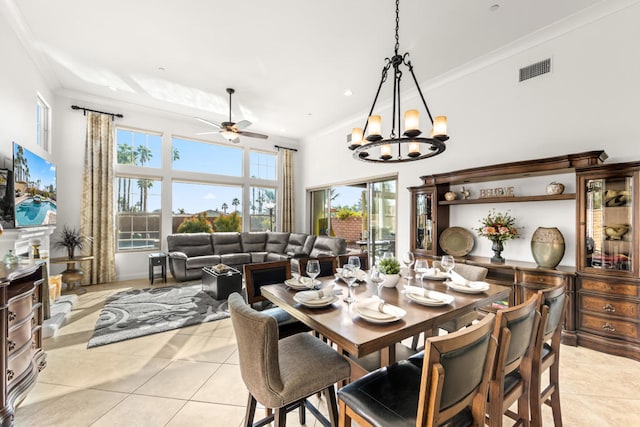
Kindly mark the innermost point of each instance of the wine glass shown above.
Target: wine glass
(421, 268)
(313, 270)
(377, 277)
(349, 276)
(447, 262)
(354, 261)
(408, 259)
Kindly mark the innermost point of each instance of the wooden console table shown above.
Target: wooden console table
(72, 275)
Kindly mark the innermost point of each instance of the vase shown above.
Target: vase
(391, 280)
(547, 246)
(497, 247)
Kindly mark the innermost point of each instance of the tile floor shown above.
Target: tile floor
(191, 377)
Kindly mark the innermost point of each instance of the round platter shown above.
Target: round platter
(456, 241)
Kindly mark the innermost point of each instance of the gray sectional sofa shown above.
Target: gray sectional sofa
(189, 252)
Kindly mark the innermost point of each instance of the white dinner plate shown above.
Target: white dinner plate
(316, 303)
(304, 283)
(438, 299)
(475, 288)
(440, 275)
(373, 315)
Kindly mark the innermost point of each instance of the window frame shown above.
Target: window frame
(43, 123)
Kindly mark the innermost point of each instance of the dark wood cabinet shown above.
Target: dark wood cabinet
(608, 264)
(21, 317)
(428, 219)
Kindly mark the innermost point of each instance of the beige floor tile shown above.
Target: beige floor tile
(65, 406)
(208, 414)
(185, 378)
(225, 386)
(138, 410)
(206, 349)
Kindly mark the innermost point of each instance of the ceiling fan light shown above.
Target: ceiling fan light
(229, 135)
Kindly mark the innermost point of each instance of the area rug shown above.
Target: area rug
(139, 312)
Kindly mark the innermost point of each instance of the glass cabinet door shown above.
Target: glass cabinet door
(424, 221)
(609, 224)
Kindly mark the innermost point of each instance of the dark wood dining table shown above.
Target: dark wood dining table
(358, 338)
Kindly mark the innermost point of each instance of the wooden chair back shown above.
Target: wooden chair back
(328, 265)
(265, 273)
(364, 260)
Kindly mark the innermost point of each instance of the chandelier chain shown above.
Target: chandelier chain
(397, 25)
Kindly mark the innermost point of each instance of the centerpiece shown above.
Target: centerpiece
(498, 227)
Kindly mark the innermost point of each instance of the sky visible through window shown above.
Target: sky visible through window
(194, 198)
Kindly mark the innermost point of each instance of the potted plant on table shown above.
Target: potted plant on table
(391, 268)
(70, 239)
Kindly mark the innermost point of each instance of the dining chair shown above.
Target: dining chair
(363, 256)
(328, 265)
(516, 330)
(451, 386)
(552, 303)
(268, 273)
(469, 272)
(281, 374)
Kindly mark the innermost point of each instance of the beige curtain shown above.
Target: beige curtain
(96, 217)
(287, 218)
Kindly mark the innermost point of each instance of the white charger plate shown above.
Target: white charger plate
(372, 315)
(316, 303)
(468, 289)
(440, 275)
(442, 299)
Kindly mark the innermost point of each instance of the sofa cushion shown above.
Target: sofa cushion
(203, 261)
(253, 241)
(272, 256)
(277, 242)
(308, 244)
(236, 258)
(191, 244)
(258, 257)
(295, 246)
(226, 243)
(328, 246)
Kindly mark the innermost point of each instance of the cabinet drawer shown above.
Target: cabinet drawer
(610, 286)
(541, 279)
(19, 362)
(609, 307)
(19, 335)
(609, 327)
(20, 308)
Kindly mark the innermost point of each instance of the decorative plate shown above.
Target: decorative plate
(456, 241)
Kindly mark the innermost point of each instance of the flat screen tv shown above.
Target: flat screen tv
(34, 184)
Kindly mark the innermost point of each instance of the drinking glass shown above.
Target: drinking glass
(408, 259)
(447, 262)
(377, 278)
(422, 266)
(354, 261)
(313, 270)
(349, 276)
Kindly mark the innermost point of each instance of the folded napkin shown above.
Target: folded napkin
(457, 279)
(377, 308)
(430, 271)
(315, 295)
(434, 295)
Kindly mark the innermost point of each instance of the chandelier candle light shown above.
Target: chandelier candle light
(410, 145)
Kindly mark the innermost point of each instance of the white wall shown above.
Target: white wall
(590, 101)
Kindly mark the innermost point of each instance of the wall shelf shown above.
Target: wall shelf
(538, 198)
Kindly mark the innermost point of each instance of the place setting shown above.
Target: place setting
(318, 298)
(300, 283)
(427, 297)
(376, 310)
(458, 283)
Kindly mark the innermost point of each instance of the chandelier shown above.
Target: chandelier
(410, 145)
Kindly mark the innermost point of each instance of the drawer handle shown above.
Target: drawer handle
(608, 327)
(609, 308)
(34, 298)
(10, 374)
(11, 345)
(12, 316)
(33, 321)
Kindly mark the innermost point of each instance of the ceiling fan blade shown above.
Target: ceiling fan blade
(243, 124)
(208, 122)
(253, 134)
(208, 133)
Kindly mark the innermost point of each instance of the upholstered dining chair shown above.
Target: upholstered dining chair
(282, 374)
(268, 273)
(516, 330)
(363, 256)
(552, 303)
(469, 272)
(328, 265)
(450, 387)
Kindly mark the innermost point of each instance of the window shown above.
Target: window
(221, 205)
(138, 213)
(263, 211)
(43, 114)
(138, 148)
(204, 157)
(263, 165)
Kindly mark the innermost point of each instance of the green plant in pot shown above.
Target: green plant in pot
(70, 239)
(391, 268)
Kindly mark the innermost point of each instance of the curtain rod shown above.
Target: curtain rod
(286, 148)
(84, 111)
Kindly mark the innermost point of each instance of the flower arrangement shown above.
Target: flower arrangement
(498, 227)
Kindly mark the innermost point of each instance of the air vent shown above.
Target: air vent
(535, 70)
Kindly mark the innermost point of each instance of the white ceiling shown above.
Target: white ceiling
(290, 61)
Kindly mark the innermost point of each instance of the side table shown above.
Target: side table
(158, 259)
(72, 275)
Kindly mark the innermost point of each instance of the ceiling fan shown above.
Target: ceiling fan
(231, 130)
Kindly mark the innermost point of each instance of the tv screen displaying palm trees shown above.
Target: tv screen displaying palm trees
(35, 188)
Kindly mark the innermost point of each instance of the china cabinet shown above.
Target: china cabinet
(608, 285)
(428, 220)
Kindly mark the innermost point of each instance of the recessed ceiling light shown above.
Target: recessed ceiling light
(309, 114)
(348, 92)
(494, 7)
(161, 68)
